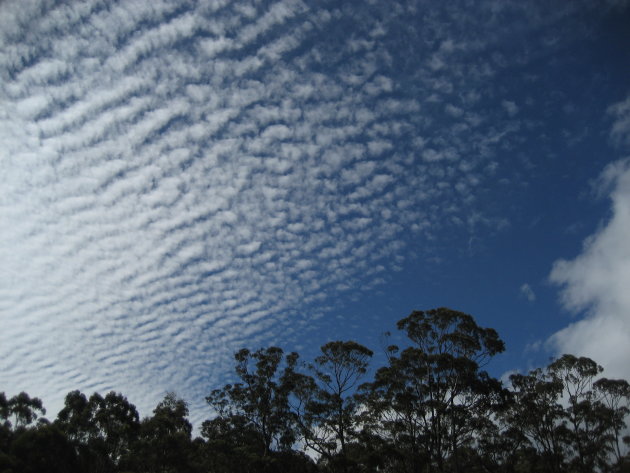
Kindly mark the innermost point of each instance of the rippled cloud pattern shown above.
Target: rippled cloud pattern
(180, 179)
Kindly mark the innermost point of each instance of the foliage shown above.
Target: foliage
(430, 408)
(261, 398)
(328, 417)
(431, 401)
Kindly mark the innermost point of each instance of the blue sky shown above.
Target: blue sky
(182, 179)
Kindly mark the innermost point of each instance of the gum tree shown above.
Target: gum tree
(433, 395)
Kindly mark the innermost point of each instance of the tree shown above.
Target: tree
(4, 409)
(164, 443)
(43, 449)
(502, 448)
(24, 409)
(102, 429)
(75, 418)
(396, 411)
(6, 436)
(233, 445)
(587, 418)
(539, 416)
(431, 399)
(116, 423)
(261, 398)
(615, 395)
(573, 421)
(326, 404)
(430, 409)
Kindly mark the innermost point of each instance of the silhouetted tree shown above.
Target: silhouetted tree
(432, 398)
(588, 420)
(102, 429)
(431, 408)
(4, 409)
(164, 442)
(43, 449)
(261, 398)
(539, 416)
(328, 406)
(232, 444)
(614, 394)
(23, 409)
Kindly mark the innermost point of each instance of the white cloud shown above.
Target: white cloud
(510, 107)
(453, 111)
(621, 127)
(214, 46)
(527, 292)
(597, 280)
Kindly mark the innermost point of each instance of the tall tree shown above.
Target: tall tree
(4, 409)
(164, 442)
(396, 412)
(75, 418)
(587, 418)
(261, 397)
(233, 445)
(433, 395)
(573, 420)
(6, 436)
(328, 405)
(538, 414)
(102, 429)
(615, 395)
(24, 409)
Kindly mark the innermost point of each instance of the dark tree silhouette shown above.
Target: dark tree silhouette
(261, 398)
(328, 406)
(432, 398)
(23, 409)
(430, 408)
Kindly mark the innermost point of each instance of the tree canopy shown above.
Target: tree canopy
(431, 407)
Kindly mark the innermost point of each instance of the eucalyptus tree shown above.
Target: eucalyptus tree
(261, 397)
(116, 421)
(75, 418)
(41, 448)
(614, 394)
(164, 441)
(433, 395)
(23, 409)
(572, 419)
(4, 409)
(6, 436)
(588, 420)
(232, 445)
(539, 415)
(325, 401)
(101, 429)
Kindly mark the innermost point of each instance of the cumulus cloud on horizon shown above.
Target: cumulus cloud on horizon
(597, 281)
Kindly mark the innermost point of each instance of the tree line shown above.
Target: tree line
(431, 408)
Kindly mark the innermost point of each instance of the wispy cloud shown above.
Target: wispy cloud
(527, 292)
(621, 127)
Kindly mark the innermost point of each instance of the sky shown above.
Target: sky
(181, 179)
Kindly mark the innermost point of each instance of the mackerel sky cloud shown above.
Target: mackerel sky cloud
(182, 179)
